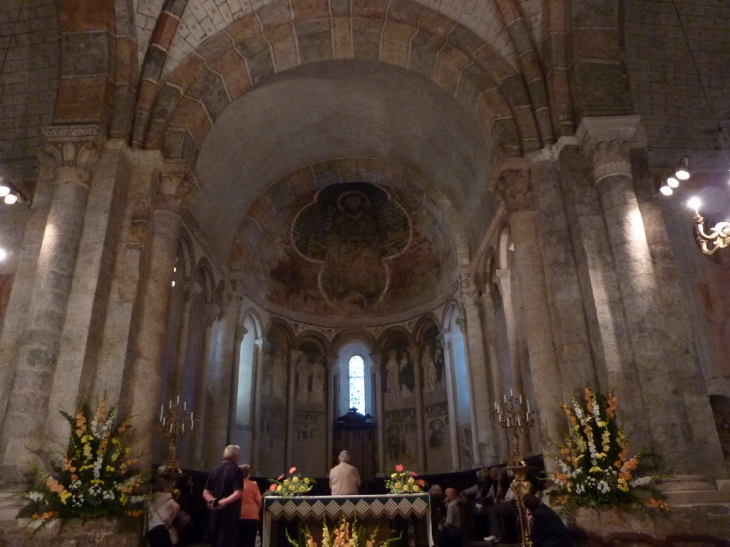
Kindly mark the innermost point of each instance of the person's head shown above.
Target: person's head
(232, 453)
(531, 503)
(246, 470)
(344, 456)
(494, 473)
(450, 494)
(436, 490)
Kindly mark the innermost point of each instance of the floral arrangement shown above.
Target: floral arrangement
(96, 477)
(595, 470)
(344, 535)
(402, 481)
(293, 485)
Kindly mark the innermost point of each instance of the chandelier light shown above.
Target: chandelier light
(682, 172)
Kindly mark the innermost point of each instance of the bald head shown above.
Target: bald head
(450, 493)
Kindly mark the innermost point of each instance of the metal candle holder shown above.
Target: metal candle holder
(513, 417)
(175, 422)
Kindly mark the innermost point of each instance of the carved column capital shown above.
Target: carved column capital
(263, 344)
(178, 187)
(230, 295)
(241, 331)
(73, 150)
(138, 225)
(513, 186)
(606, 141)
(468, 288)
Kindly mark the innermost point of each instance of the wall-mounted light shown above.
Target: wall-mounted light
(10, 193)
(666, 189)
(682, 172)
(3, 254)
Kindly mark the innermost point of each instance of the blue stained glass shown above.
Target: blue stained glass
(356, 374)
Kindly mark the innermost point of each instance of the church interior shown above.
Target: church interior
(276, 211)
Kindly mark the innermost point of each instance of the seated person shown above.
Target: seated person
(547, 528)
(450, 528)
(504, 508)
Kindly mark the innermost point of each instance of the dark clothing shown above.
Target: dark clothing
(548, 529)
(247, 529)
(159, 536)
(222, 482)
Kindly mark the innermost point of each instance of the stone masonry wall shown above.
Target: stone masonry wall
(29, 67)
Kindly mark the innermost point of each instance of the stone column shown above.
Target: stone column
(294, 356)
(199, 406)
(232, 386)
(191, 289)
(263, 349)
(331, 413)
(415, 351)
(481, 400)
(74, 150)
(144, 386)
(377, 360)
(514, 187)
(451, 397)
(221, 377)
(474, 428)
(490, 327)
(504, 281)
(606, 141)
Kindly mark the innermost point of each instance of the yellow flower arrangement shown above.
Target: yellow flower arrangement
(95, 477)
(404, 482)
(294, 485)
(344, 535)
(595, 470)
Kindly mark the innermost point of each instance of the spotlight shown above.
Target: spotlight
(11, 198)
(4, 190)
(3, 254)
(666, 190)
(672, 182)
(683, 172)
(694, 203)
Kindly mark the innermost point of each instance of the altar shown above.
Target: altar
(406, 506)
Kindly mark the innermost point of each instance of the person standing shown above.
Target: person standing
(223, 491)
(248, 524)
(344, 478)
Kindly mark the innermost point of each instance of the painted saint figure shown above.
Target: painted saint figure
(393, 379)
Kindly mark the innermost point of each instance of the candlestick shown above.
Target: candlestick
(174, 424)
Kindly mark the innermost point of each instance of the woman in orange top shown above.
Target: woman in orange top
(248, 524)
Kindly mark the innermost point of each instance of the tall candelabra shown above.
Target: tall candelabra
(513, 417)
(175, 422)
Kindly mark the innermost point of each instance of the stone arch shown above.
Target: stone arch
(451, 309)
(310, 335)
(206, 268)
(423, 324)
(274, 39)
(345, 336)
(255, 316)
(186, 244)
(391, 332)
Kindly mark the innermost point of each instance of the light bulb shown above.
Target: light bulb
(682, 172)
(666, 190)
(4, 190)
(694, 203)
(11, 198)
(672, 182)
(3, 254)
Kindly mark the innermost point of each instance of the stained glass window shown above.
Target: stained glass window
(357, 383)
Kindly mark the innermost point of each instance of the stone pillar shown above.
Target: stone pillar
(377, 360)
(451, 397)
(481, 400)
(514, 187)
(490, 328)
(232, 386)
(294, 356)
(221, 378)
(189, 290)
(75, 151)
(144, 386)
(504, 281)
(606, 142)
(476, 452)
(263, 349)
(415, 351)
(199, 406)
(331, 413)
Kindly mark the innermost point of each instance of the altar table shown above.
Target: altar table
(319, 507)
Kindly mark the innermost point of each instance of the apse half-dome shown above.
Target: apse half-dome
(346, 249)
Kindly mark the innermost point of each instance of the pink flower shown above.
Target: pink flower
(399, 468)
(280, 477)
(272, 487)
(422, 483)
(413, 474)
(292, 470)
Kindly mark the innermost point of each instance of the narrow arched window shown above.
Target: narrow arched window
(356, 373)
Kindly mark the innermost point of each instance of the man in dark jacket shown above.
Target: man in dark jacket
(222, 492)
(547, 528)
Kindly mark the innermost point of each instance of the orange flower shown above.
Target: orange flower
(399, 468)
(413, 474)
(281, 476)
(272, 487)
(422, 483)
(292, 470)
